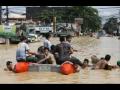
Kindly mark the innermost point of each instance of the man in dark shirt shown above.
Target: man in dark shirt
(64, 51)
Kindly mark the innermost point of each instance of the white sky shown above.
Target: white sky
(104, 13)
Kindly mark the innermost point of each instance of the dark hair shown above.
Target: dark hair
(102, 58)
(41, 49)
(107, 57)
(62, 39)
(46, 48)
(68, 36)
(86, 60)
(48, 35)
(53, 47)
(22, 38)
(8, 63)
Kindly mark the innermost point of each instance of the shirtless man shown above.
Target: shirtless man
(49, 57)
(103, 63)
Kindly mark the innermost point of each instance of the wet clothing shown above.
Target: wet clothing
(64, 54)
(63, 50)
(21, 52)
(32, 59)
(47, 44)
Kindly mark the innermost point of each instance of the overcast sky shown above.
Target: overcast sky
(107, 10)
(104, 11)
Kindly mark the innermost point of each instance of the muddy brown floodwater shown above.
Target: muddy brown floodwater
(87, 46)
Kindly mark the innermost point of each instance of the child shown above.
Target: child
(85, 63)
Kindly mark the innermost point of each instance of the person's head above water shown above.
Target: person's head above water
(94, 59)
(9, 65)
(118, 63)
(86, 61)
(46, 50)
(107, 57)
(48, 36)
(40, 49)
(23, 38)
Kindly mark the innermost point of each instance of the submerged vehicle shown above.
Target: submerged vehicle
(62, 30)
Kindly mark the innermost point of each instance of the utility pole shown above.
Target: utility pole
(0, 15)
(7, 13)
(119, 25)
(54, 22)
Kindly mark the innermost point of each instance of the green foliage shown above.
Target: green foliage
(91, 19)
(111, 25)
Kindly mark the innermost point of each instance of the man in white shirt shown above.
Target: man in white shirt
(23, 50)
(47, 42)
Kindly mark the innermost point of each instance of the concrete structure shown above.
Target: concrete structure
(44, 68)
(14, 17)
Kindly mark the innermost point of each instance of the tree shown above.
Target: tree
(111, 25)
(91, 19)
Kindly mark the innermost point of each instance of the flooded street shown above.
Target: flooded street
(87, 46)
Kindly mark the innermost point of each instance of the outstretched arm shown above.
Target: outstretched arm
(40, 61)
(30, 52)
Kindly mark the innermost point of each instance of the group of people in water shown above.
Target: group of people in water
(60, 54)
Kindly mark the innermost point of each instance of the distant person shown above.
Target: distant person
(85, 63)
(64, 51)
(118, 63)
(94, 59)
(47, 42)
(23, 52)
